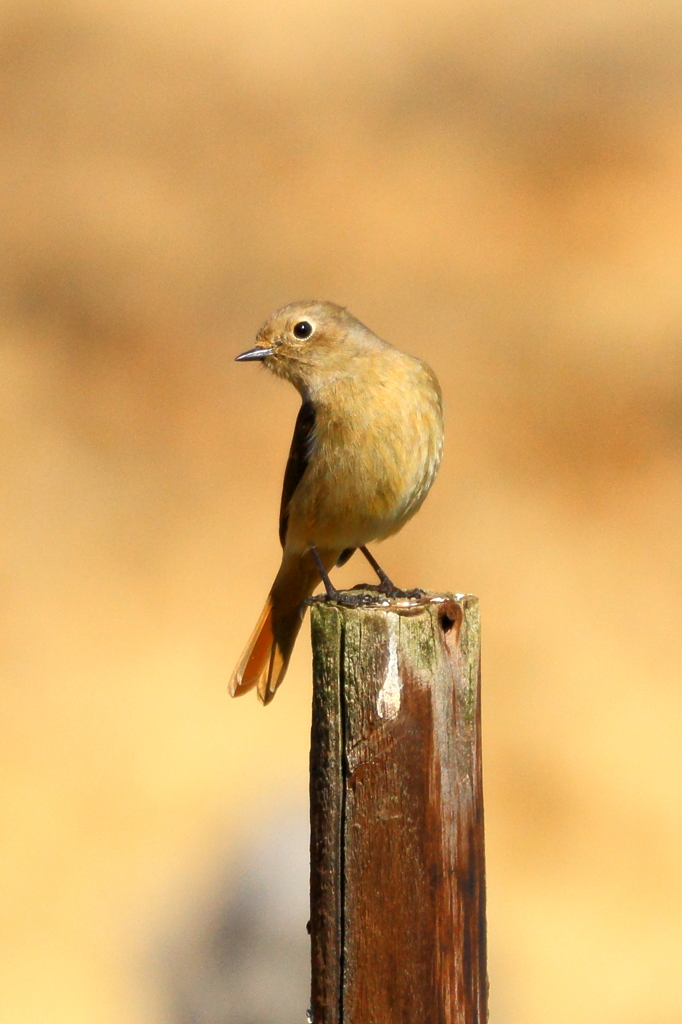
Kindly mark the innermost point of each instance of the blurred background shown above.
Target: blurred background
(495, 188)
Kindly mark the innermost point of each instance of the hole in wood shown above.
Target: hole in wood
(446, 622)
(449, 617)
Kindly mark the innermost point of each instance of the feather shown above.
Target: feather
(300, 454)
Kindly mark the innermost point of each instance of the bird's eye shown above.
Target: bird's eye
(303, 329)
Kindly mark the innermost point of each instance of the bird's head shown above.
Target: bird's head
(312, 344)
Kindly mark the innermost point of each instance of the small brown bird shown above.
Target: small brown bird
(366, 448)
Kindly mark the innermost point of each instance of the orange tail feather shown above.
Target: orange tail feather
(254, 662)
(265, 660)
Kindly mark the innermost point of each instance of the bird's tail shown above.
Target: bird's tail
(266, 657)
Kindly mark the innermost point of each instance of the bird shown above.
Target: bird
(366, 448)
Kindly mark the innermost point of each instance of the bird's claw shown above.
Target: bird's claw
(346, 598)
(416, 593)
(353, 599)
(388, 590)
(365, 595)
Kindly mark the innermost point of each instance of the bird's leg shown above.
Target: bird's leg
(332, 594)
(386, 585)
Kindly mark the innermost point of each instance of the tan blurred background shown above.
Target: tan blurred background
(494, 188)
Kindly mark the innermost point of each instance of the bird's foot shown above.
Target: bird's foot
(388, 589)
(353, 599)
(413, 594)
(386, 585)
(346, 598)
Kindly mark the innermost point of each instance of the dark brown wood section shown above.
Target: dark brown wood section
(397, 855)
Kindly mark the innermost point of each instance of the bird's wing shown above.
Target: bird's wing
(299, 457)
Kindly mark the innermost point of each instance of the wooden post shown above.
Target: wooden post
(397, 856)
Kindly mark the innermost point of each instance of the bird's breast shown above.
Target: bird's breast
(376, 453)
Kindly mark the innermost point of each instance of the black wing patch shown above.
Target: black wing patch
(299, 456)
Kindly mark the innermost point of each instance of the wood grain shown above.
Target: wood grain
(397, 852)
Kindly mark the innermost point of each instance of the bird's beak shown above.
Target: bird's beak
(254, 353)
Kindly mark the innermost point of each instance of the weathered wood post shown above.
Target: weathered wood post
(397, 856)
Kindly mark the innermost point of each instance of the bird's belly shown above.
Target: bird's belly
(362, 492)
